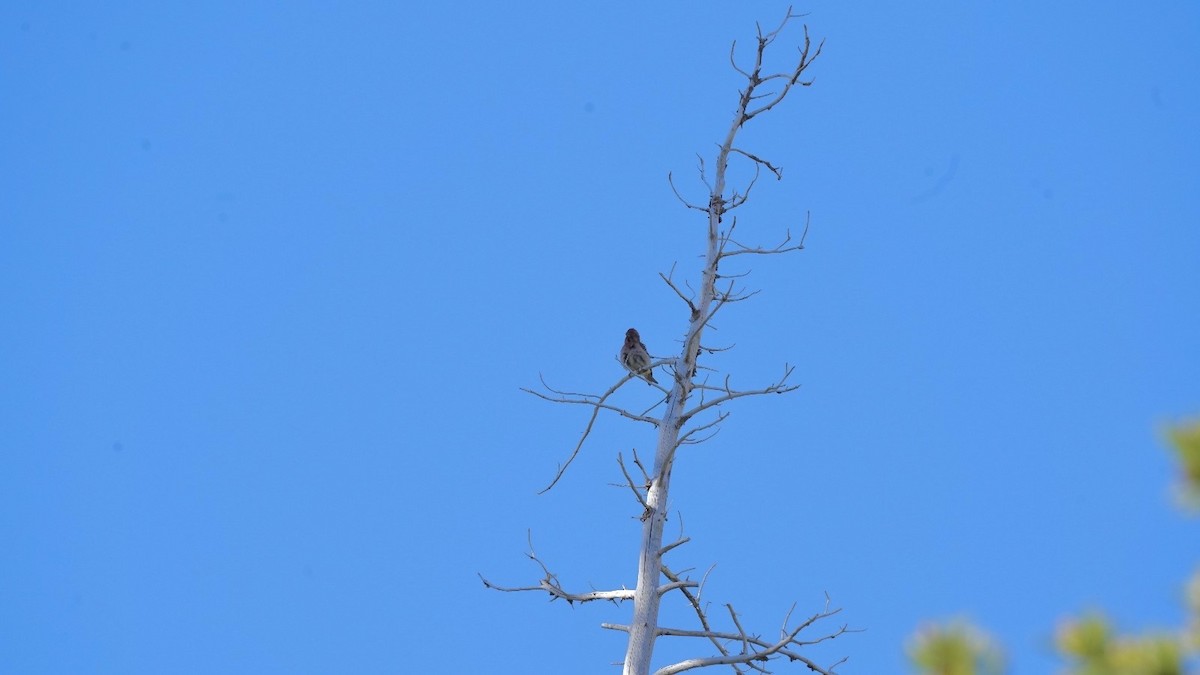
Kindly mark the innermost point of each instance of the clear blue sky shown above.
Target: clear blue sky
(272, 274)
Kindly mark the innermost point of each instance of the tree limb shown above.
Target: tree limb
(777, 388)
(549, 583)
(598, 404)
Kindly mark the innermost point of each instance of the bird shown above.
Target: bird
(635, 358)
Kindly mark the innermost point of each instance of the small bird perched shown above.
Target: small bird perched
(635, 358)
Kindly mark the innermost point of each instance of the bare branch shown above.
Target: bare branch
(641, 467)
(723, 240)
(675, 586)
(637, 492)
(598, 404)
(730, 296)
(667, 278)
(596, 401)
(703, 175)
(755, 77)
(777, 388)
(704, 580)
(678, 542)
(719, 301)
(782, 247)
(733, 62)
(754, 648)
(739, 199)
(556, 592)
(686, 439)
(758, 161)
(741, 631)
(765, 649)
(740, 275)
(671, 181)
(694, 600)
(783, 630)
(549, 584)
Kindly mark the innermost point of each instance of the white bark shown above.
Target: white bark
(644, 628)
(646, 599)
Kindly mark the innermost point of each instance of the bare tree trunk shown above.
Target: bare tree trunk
(643, 630)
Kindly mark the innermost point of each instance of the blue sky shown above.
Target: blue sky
(272, 275)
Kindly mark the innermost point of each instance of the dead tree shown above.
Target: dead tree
(689, 412)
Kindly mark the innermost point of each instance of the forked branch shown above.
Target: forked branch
(597, 403)
(782, 247)
(754, 649)
(549, 583)
(778, 387)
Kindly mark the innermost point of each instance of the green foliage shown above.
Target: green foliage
(955, 648)
(1087, 640)
(1090, 645)
(1092, 648)
(1185, 440)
